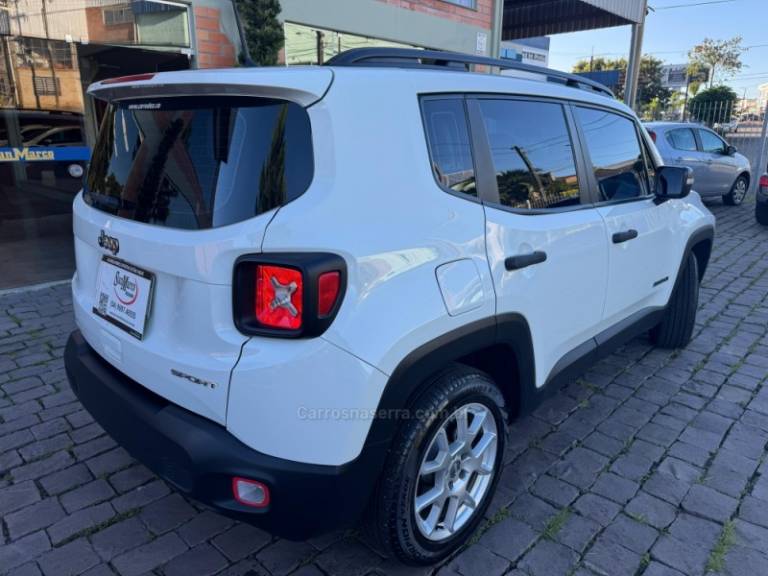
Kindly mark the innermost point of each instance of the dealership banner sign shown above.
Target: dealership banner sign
(42, 154)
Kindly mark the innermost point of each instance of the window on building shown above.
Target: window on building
(118, 15)
(617, 158)
(532, 154)
(465, 3)
(682, 139)
(40, 53)
(449, 146)
(47, 86)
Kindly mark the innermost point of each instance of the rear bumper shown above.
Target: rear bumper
(199, 457)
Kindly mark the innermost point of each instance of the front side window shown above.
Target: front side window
(449, 146)
(199, 163)
(532, 154)
(711, 142)
(682, 139)
(617, 158)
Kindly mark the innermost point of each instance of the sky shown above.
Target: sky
(671, 32)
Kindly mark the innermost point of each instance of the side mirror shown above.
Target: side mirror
(673, 182)
(730, 150)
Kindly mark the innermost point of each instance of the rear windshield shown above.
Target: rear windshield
(197, 163)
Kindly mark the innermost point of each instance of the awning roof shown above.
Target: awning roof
(528, 18)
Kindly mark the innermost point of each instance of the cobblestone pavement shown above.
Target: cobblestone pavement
(652, 463)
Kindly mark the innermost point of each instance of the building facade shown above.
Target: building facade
(50, 51)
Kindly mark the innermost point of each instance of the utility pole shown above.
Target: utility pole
(497, 28)
(635, 55)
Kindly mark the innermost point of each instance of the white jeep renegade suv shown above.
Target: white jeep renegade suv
(311, 295)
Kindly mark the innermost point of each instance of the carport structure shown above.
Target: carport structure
(529, 18)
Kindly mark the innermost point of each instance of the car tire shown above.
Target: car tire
(761, 213)
(424, 443)
(676, 328)
(738, 191)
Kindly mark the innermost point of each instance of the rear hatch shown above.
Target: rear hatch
(186, 174)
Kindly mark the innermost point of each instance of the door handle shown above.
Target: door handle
(525, 260)
(625, 236)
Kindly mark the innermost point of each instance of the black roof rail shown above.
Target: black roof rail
(440, 60)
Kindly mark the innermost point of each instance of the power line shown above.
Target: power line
(691, 5)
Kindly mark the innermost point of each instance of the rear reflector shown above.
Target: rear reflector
(250, 492)
(132, 78)
(279, 297)
(764, 182)
(328, 286)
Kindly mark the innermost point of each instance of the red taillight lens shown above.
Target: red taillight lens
(132, 78)
(250, 492)
(279, 297)
(653, 136)
(328, 285)
(764, 181)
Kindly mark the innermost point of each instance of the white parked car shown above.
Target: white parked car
(307, 293)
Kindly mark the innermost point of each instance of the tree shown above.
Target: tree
(650, 85)
(263, 31)
(714, 105)
(721, 57)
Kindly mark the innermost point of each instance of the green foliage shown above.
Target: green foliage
(714, 105)
(721, 57)
(650, 86)
(556, 524)
(716, 559)
(263, 31)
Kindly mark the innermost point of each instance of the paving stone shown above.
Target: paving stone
(754, 510)
(599, 509)
(534, 511)
(631, 534)
(652, 510)
(615, 487)
(167, 513)
(351, 558)
(686, 557)
(509, 539)
(240, 541)
(203, 560)
(120, 537)
(555, 491)
(109, 462)
(66, 479)
(140, 496)
(149, 556)
(580, 467)
(740, 561)
(34, 517)
(548, 559)
(203, 527)
(69, 560)
(690, 453)
(23, 550)
(475, 560)
(577, 532)
(80, 521)
(656, 569)
(708, 503)
(17, 496)
(608, 558)
(86, 495)
(666, 488)
(130, 478)
(695, 530)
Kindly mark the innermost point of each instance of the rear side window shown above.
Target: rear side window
(682, 139)
(617, 158)
(199, 163)
(532, 153)
(450, 151)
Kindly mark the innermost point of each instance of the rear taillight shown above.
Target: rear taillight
(328, 285)
(279, 297)
(287, 295)
(652, 135)
(764, 183)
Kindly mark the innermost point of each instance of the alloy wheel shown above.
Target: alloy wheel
(456, 471)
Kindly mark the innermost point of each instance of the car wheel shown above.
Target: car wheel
(738, 191)
(442, 469)
(761, 213)
(676, 328)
